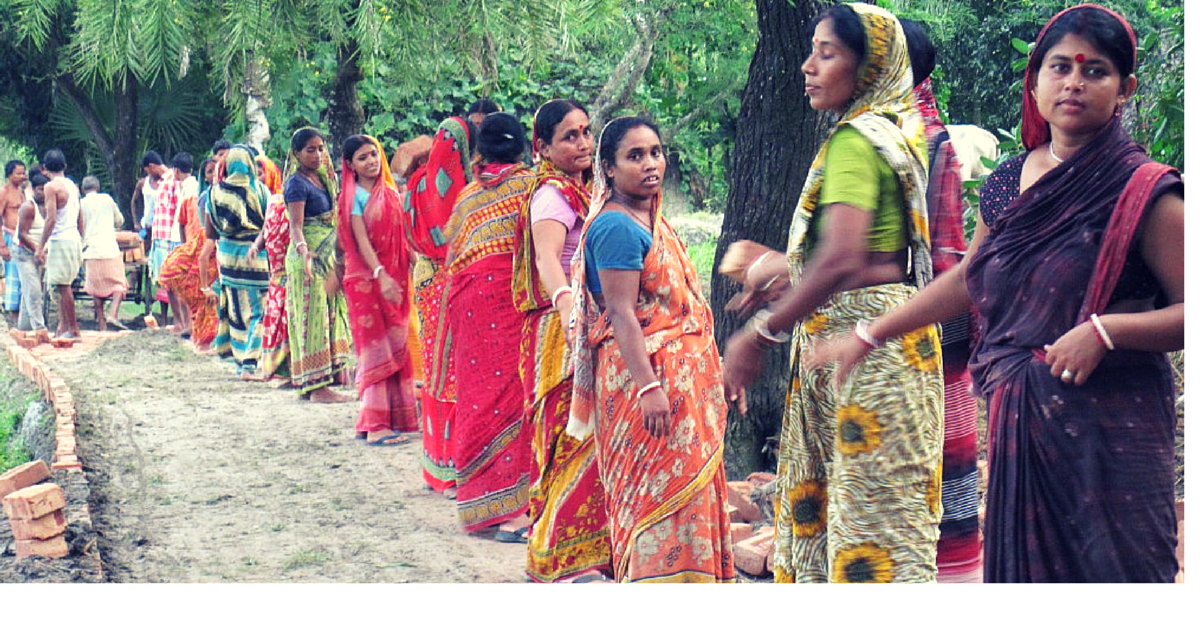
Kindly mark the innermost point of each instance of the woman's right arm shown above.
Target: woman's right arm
(387, 286)
(620, 289)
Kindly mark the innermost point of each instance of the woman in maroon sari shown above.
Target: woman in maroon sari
(1077, 272)
(371, 236)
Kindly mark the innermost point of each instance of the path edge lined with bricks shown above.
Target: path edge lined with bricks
(66, 463)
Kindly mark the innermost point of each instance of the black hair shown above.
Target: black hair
(182, 161)
(921, 53)
(1097, 27)
(352, 144)
(301, 138)
(11, 167)
(612, 135)
(221, 144)
(204, 165)
(484, 106)
(848, 28)
(151, 158)
(472, 135)
(501, 138)
(55, 160)
(38, 180)
(551, 115)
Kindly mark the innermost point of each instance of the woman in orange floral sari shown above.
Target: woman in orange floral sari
(568, 534)
(647, 374)
(181, 269)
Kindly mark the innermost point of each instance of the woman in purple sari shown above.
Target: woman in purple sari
(1077, 273)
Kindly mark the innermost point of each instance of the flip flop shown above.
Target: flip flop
(117, 324)
(395, 439)
(520, 536)
(591, 578)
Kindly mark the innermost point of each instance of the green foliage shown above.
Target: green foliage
(12, 409)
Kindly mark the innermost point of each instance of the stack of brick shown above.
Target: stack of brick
(751, 525)
(35, 511)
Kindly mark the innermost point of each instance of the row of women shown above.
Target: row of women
(1075, 275)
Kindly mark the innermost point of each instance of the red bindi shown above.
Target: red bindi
(1079, 58)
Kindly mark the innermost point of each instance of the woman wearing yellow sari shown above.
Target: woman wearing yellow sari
(568, 533)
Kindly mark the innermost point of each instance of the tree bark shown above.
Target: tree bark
(116, 148)
(256, 84)
(778, 135)
(618, 89)
(345, 114)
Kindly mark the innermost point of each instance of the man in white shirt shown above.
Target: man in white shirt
(104, 267)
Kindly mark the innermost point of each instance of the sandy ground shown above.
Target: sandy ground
(199, 477)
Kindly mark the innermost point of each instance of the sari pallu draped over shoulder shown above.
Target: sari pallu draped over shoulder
(379, 327)
(665, 496)
(1081, 478)
(491, 447)
(569, 532)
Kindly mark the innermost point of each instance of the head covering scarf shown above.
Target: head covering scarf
(434, 187)
(528, 293)
(1035, 131)
(238, 200)
(271, 176)
(944, 196)
(883, 109)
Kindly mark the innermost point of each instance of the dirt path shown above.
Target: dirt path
(198, 477)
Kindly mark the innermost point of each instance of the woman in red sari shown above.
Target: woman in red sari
(491, 449)
(432, 190)
(1077, 272)
(375, 280)
(568, 536)
(647, 374)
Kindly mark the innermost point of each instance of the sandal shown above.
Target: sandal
(395, 439)
(520, 536)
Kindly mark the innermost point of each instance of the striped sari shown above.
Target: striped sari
(666, 496)
(569, 532)
(491, 449)
(235, 209)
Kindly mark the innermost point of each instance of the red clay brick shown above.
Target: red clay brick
(739, 496)
(67, 462)
(751, 555)
(23, 476)
(54, 547)
(44, 528)
(34, 501)
(25, 342)
(740, 531)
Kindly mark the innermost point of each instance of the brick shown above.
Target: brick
(740, 531)
(760, 479)
(34, 501)
(16, 334)
(43, 336)
(738, 495)
(62, 342)
(67, 462)
(23, 476)
(54, 547)
(751, 555)
(66, 446)
(44, 528)
(27, 342)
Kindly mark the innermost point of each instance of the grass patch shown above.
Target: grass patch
(12, 410)
(300, 559)
(702, 256)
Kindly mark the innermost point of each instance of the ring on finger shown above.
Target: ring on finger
(1067, 375)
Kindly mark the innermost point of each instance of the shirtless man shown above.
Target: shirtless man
(12, 194)
(62, 240)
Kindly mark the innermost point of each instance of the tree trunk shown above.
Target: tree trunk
(618, 89)
(117, 148)
(346, 115)
(778, 135)
(257, 87)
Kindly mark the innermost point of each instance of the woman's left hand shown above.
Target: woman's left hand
(332, 283)
(389, 288)
(1077, 352)
(742, 365)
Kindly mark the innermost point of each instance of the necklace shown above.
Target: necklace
(633, 215)
(1052, 155)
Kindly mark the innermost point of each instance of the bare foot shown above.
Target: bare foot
(326, 395)
(451, 492)
(516, 524)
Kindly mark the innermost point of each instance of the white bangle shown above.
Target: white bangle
(861, 332)
(764, 332)
(646, 388)
(375, 274)
(566, 289)
(1102, 332)
(754, 264)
